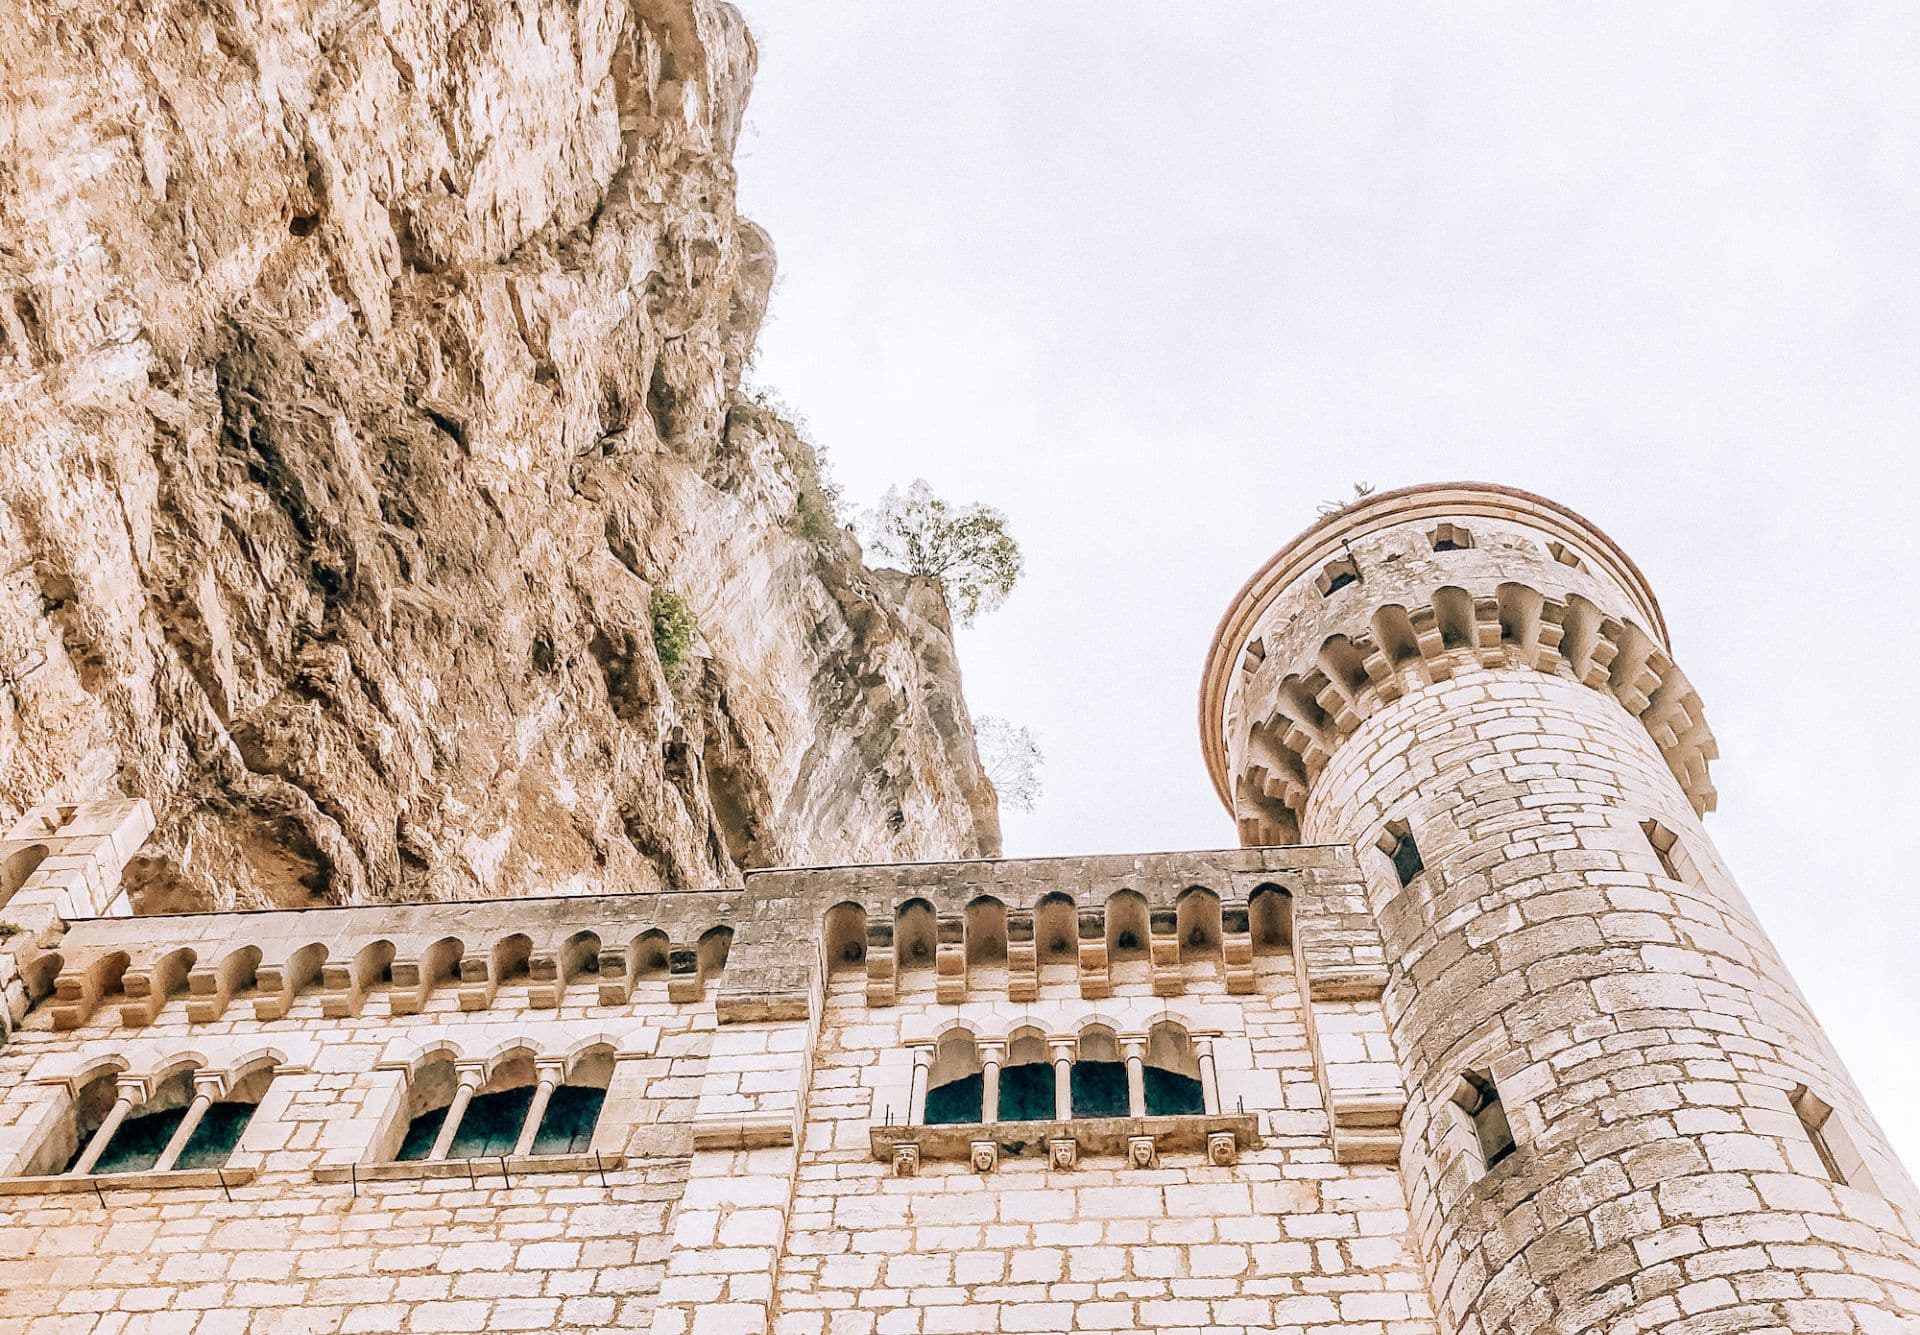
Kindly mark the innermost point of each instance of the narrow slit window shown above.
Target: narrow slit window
(1397, 843)
(1564, 555)
(1479, 1098)
(1666, 846)
(1336, 575)
(1839, 1156)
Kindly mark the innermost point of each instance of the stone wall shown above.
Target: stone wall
(1621, 1113)
(742, 1175)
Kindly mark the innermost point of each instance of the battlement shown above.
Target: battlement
(1400, 591)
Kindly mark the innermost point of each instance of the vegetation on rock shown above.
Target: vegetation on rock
(673, 630)
(967, 547)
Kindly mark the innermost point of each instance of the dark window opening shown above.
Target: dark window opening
(1406, 858)
(421, 1133)
(492, 1125)
(1479, 1099)
(1026, 1092)
(1099, 1089)
(1170, 1094)
(957, 1102)
(220, 1129)
(1339, 580)
(572, 1113)
(136, 1146)
(1666, 846)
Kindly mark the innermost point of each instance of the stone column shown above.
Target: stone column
(1209, 1080)
(551, 1073)
(206, 1088)
(1134, 1049)
(1062, 1050)
(917, 1088)
(991, 1055)
(470, 1074)
(129, 1093)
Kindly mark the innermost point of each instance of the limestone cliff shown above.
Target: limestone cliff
(363, 371)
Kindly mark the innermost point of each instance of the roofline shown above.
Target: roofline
(1319, 542)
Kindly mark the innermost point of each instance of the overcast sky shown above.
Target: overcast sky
(1157, 280)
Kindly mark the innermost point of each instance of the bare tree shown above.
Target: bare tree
(1011, 759)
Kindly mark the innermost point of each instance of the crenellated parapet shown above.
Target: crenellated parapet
(1403, 591)
(394, 960)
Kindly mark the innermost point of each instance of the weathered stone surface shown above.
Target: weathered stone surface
(363, 371)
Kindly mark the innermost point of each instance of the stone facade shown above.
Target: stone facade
(1479, 1039)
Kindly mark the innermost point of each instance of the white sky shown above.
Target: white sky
(1157, 280)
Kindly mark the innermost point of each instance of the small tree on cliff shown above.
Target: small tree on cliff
(1011, 759)
(967, 548)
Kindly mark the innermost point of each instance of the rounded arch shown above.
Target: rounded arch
(844, 937)
(714, 945)
(373, 963)
(429, 1051)
(1056, 929)
(1270, 918)
(1128, 933)
(1172, 1074)
(1197, 922)
(18, 866)
(590, 1061)
(512, 957)
(650, 957)
(986, 932)
(954, 1079)
(914, 936)
(177, 1062)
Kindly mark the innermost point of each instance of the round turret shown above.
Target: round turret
(1621, 1115)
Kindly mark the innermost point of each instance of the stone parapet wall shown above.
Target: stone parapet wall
(733, 1175)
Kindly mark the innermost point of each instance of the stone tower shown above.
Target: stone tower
(1622, 1114)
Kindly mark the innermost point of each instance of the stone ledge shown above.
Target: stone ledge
(66, 1184)
(511, 1166)
(1092, 1135)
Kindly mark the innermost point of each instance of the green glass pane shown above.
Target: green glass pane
(492, 1124)
(138, 1142)
(567, 1127)
(1170, 1094)
(1099, 1089)
(421, 1133)
(957, 1101)
(1026, 1092)
(219, 1131)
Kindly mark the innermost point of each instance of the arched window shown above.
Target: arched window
(93, 1099)
(1099, 1075)
(954, 1082)
(573, 1109)
(188, 1121)
(1172, 1075)
(1026, 1080)
(521, 1108)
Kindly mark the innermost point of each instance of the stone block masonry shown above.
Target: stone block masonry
(1501, 1052)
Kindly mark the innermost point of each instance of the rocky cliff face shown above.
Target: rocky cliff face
(364, 370)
